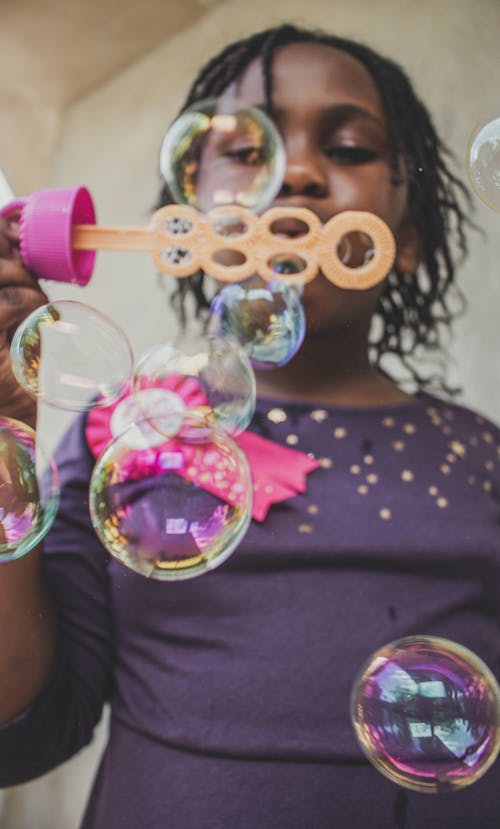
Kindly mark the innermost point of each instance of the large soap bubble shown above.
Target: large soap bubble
(483, 163)
(29, 490)
(267, 319)
(211, 372)
(426, 712)
(69, 354)
(173, 510)
(223, 151)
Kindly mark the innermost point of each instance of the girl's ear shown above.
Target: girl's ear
(408, 247)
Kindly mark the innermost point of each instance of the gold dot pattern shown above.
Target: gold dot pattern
(469, 457)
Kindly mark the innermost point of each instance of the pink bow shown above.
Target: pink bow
(278, 472)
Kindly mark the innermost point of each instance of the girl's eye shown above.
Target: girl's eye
(348, 154)
(245, 155)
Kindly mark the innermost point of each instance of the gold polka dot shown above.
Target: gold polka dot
(471, 480)
(433, 490)
(355, 469)
(432, 411)
(388, 422)
(276, 416)
(363, 489)
(445, 469)
(487, 437)
(489, 465)
(458, 448)
(398, 445)
(442, 503)
(305, 528)
(368, 459)
(191, 471)
(319, 415)
(205, 477)
(385, 514)
(372, 478)
(339, 432)
(409, 428)
(325, 463)
(449, 414)
(313, 509)
(407, 475)
(487, 485)
(446, 430)
(451, 458)
(473, 441)
(292, 440)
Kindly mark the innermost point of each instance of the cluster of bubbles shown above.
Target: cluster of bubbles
(171, 495)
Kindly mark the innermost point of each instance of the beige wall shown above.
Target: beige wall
(110, 139)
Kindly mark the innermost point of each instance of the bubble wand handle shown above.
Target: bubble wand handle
(94, 237)
(231, 243)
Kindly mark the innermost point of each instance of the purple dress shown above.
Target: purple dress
(230, 693)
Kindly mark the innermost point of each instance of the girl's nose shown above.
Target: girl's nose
(304, 176)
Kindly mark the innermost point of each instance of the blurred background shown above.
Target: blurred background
(87, 91)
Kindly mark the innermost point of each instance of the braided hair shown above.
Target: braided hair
(414, 310)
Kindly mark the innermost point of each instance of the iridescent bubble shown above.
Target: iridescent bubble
(68, 354)
(29, 490)
(267, 319)
(223, 151)
(173, 510)
(483, 163)
(210, 373)
(426, 712)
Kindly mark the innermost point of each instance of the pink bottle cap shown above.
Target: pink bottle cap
(46, 219)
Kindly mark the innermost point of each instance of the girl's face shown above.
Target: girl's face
(330, 115)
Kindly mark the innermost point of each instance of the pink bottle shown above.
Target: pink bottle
(45, 220)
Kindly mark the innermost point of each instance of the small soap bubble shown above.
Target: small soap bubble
(173, 510)
(426, 712)
(29, 490)
(212, 374)
(483, 163)
(68, 354)
(223, 151)
(267, 319)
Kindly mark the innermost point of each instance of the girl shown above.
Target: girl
(230, 693)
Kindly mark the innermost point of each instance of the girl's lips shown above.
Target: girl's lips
(289, 228)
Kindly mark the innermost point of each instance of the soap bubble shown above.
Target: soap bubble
(223, 151)
(267, 319)
(68, 354)
(212, 373)
(426, 712)
(175, 510)
(483, 163)
(29, 490)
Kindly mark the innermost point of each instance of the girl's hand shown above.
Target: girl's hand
(20, 294)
